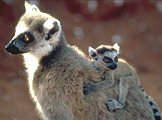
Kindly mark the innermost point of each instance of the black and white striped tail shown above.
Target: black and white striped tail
(155, 108)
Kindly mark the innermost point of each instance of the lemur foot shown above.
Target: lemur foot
(87, 88)
(112, 104)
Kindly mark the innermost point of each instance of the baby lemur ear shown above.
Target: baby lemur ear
(92, 52)
(116, 47)
(31, 8)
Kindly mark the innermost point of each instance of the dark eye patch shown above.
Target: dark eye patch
(116, 59)
(27, 37)
(107, 59)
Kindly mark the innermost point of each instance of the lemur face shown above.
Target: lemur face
(34, 32)
(105, 56)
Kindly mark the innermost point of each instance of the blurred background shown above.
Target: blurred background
(136, 26)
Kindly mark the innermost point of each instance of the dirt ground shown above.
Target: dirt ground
(136, 27)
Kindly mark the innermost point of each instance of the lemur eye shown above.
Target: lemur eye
(27, 37)
(116, 59)
(107, 59)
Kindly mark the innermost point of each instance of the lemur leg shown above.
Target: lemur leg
(123, 89)
(124, 83)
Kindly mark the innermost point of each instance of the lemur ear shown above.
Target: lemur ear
(116, 47)
(51, 26)
(92, 52)
(30, 8)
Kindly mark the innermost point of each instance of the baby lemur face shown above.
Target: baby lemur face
(105, 56)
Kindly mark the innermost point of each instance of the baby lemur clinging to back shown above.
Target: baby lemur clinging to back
(105, 59)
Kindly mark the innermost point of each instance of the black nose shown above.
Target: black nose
(113, 66)
(11, 48)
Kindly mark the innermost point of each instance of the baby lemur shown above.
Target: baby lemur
(105, 59)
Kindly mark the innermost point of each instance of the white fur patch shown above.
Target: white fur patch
(48, 24)
(91, 51)
(112, 54)
(20, 28)
(30, 8)
(31, 64)
(116, 47)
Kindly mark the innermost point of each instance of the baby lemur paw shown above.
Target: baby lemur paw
(87, 88)
(112, 104)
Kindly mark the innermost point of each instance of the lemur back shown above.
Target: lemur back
(103, 58)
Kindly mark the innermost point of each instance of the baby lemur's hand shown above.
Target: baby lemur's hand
(113, 104)
(88, 87)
